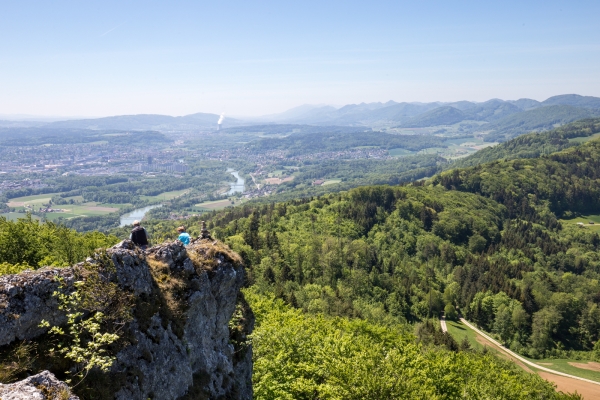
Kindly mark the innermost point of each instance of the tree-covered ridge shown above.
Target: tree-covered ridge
(563, 182)
(499, 253)
(300, 356)
(30, 244)
(43, 135)
(534, 144)
(305, 143)
(538, 119)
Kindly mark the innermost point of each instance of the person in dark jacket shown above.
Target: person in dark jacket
(139, 236)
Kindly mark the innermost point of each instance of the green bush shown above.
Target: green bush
(450, 312)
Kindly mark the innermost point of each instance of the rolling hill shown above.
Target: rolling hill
(147, 122)
(445, 115)
(534, 144)
(538, 119)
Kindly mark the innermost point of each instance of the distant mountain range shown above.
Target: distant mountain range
(500, 119)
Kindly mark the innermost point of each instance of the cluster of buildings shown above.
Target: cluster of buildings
(152, 166)
(21, 184)
(85, 160)
(352, 154)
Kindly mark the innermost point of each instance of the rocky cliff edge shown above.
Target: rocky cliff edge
(186, 339)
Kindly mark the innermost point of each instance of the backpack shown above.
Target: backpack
(138, 236)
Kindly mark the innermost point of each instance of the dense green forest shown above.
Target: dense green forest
(353, 173)
(486, 240)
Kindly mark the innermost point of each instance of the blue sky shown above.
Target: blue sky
(87, 58)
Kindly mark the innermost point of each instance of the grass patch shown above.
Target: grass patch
(331, 182)
(13, 216)
(585, 219)
(458, 331)
(169, 300)
(166, 195)
(16, 362)
(113, 205)
(400, 152)
(214, 205)
(562, 365)
(78, 199)
(36, 200)
(584, 139)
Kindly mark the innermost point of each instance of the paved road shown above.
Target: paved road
(443, 324)
(523, 360)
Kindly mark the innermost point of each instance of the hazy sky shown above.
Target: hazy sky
(91, 58)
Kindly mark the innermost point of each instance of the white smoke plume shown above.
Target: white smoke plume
(221, 118)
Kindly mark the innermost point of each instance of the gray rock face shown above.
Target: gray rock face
(26, 299)
(170, 355)
(43, 386)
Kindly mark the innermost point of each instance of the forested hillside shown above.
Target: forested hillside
(533, 144)
(306, 143)
(539, 119)
(486, 240)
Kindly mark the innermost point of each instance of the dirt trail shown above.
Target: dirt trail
(566, 383)
(443, 324)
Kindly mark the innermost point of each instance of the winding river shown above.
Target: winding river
(238, 185)
(127, 219)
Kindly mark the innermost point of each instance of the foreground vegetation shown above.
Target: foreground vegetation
(302, 356)
(29, 244)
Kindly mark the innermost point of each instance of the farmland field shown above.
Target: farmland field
(585, 139)
(166, 195)
(214, 205)
(36, 200)
(13, 216)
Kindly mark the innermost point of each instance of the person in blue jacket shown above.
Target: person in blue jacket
(184, 237)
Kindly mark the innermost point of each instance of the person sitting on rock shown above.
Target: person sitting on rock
(139, 236)
(184, 237)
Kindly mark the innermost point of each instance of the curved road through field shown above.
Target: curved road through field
(588, 388)
(524, 360)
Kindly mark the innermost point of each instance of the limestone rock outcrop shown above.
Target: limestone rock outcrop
(43, 386)
(190, 351)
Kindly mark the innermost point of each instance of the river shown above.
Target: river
(127, 219)
(238, 185)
